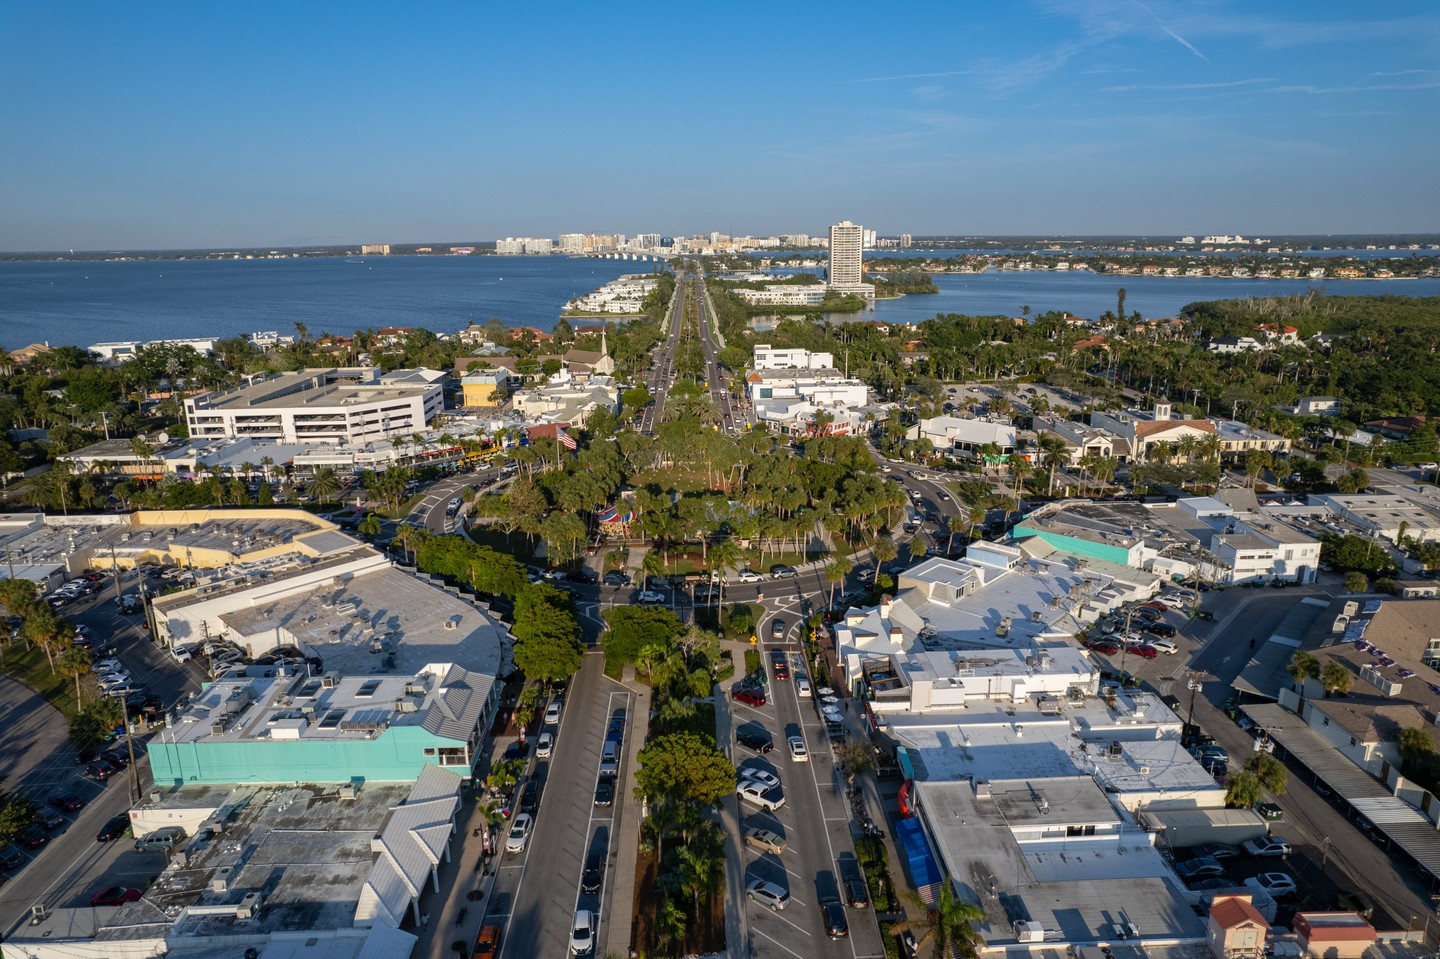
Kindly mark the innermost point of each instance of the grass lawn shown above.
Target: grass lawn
(33, 670)
(783, 558)
(404, 509)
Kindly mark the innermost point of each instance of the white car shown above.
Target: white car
(545, 746)
(1164, 646)
(802, 686)
(648, 597)
(1266, 847)
(749, 576)
(182, 654)
(519, 833)
(1171, 600)
(552, 712)
(582, 933)
(1275, 883)
(798, 752)
(751, 774)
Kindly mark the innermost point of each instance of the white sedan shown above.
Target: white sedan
(1275, 883)
(751, 774)
(544, 746)
(1164, 646)
(798, 752)
(519, 833)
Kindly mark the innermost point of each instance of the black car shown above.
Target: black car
(11, 858)
(33, 837)
(613, 578)
(530, 797)
(119, 758)
(856, 894)
(586, 576)
(99, 770)
(66, 802)
(49, 819)
(604, 792)
(113, 829)
(836, 925)
(1159, 629)
(594, 873)
(758, 740)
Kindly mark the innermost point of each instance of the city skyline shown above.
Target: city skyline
(143, 128)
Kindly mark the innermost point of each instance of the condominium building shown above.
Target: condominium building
(333, 405)
(846, 242)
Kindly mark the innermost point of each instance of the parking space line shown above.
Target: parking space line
(777, 942)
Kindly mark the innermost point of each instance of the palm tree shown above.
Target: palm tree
(1335, 678)
(835, 572)
(653, 565)
(947, 924)
(324, 484)
(1019, 469)
(1303, 666)
(1416, 747)
(885, 550)
(1054, 447)
(75, 663)
(955, 524)
(370, 526)
(724, 555)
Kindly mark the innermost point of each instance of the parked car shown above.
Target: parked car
(765, 797)
(1266, 847)
(1276, 884)
(1202, 868)
(114, 828)
(749, 576)
(594, 873)
(766, 839)
(1158, 629)
(781, 571)
(33, 837)
(749, 695)
(164, 839)
(114, 896)
(1145, 650)
(545, 745)
(798, 752)
(66, 802)
(1164, 647)
(770, 894)
(49, 819)
(99, 770)
(552, 712)
(836, 925)
(614, 578)
(487, 943)
(754, 775)
(1105, 647)
(649, 597)
(519, 833)
(11, 858)
(1217, 850)
(582, 933)
(758, 740)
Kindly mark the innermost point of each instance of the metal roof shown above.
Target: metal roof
(1401, 823)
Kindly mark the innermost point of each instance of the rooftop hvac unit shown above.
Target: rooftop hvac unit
(217, 729)
(982, 789)
(220, 881)
(451, 624)
(1035, 615)
(1029, 931)
(249, 906)
(1144, 770)
(1114, 750)
(347, 791)
(406, 706)
(329, 680)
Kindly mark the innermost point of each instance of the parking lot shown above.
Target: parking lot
(816, 825)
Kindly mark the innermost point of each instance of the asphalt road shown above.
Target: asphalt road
(662, 371)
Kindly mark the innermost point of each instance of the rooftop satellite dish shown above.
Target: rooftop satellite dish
(163, 437)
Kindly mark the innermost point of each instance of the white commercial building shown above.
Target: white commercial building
(122, 350)
(321, 406)
(956, 434)
(784, 294)
(767, 357)
(567, 398)
(823, 387)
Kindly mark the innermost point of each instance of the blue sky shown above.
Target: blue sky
(201, 125)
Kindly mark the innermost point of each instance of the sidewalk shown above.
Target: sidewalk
(624, 844)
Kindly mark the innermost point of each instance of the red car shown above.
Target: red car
(1105, 647)
(751, 697)
(1145, 650)
(115, 896)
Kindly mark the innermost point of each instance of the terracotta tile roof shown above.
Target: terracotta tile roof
(1230, 912)
(1151, 427)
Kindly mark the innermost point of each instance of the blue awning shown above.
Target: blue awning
(924, 871)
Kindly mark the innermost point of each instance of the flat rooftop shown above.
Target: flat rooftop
(378, 613)
(1078, 887)
(304, 849)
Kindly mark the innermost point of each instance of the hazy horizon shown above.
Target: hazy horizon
(191, 127)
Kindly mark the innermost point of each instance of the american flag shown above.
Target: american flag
(564, 439)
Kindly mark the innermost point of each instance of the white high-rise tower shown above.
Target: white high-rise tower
(845, 245)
